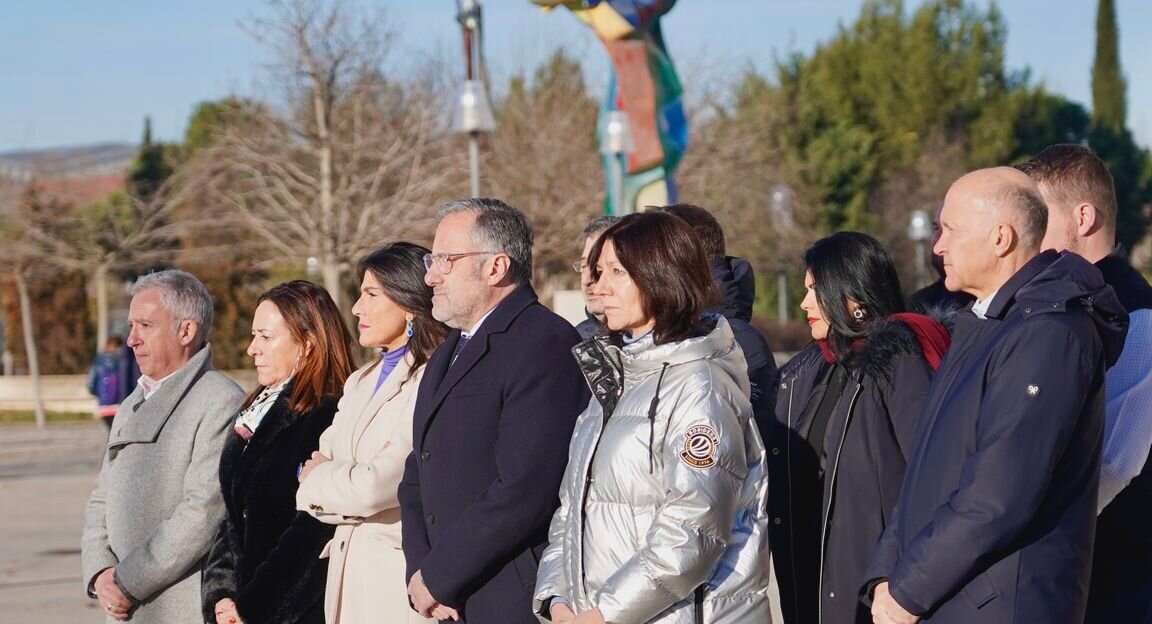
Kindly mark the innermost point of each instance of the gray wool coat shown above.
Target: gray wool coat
(157, 505)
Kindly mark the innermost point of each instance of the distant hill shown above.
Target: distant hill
(84, 161)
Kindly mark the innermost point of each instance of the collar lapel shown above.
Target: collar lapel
(142, 420)
(382, 397)
(442, 375)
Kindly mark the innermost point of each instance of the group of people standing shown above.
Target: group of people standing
(496, 465)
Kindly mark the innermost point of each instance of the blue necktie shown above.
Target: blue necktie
(459, 347)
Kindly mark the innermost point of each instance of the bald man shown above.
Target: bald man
(997, 511)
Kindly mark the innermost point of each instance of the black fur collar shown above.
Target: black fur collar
(889, 339)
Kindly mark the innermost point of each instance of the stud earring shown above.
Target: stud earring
(408, 328)
(858, 314)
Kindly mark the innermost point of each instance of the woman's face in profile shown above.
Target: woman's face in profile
(380, 321)
(817, 320)
(273, 349)
(622, 300)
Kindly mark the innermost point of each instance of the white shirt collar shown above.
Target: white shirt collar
(475, 328)
(152, 386)
(980, 308)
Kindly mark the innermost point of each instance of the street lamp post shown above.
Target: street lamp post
(473, 112)
(780, 208)
(920, 232)
(616, 143)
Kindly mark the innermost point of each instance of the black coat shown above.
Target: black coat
(737, 287)
(996, 515)
(833, 508)
(1121, 588)
(267, 555)
(490, 440)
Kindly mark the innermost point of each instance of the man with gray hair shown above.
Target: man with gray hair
(493, 417)
(157, 505)
(593, 307)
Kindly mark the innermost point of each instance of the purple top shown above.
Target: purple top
(389, 360)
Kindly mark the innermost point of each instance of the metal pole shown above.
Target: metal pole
(782, 294)
(618, 206)
(474, 161)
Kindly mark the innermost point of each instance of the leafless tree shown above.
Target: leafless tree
(346, 157)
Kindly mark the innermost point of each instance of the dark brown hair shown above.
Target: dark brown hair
(313, 319)
(664, 258)
(705, 225)
(399, 269)
(1073, 174)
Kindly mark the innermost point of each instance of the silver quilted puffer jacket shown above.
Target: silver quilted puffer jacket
(662, 509)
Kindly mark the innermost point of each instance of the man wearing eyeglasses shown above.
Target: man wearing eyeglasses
(493, 417)
(593, 307)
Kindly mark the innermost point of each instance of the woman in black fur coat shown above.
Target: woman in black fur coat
(847, 411)
(265, 565)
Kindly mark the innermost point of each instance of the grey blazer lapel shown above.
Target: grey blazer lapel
(140, 421)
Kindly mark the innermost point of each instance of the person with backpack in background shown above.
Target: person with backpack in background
(104, 380)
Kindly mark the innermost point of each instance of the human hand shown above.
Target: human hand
(108, 593)
(226, 612)
(441, 612)
(316, 459)
(885, 609)
(561, 613)
(422, 599)
(591, 616)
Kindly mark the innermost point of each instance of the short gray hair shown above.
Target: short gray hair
(598, 225)
(184, 296)
(498, 227)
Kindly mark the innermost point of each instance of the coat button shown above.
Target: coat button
(777, 520)
(430, 519)
(424, 455)
(775, 451)
(244, 514)
(831, 594)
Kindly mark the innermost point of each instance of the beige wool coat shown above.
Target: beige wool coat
(369, 440)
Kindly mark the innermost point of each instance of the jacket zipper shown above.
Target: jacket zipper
(588, 476)
(831, 492)
(788, 466)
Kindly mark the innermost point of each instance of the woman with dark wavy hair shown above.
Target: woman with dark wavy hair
(846, 414)
(351, 481)
(265, 565)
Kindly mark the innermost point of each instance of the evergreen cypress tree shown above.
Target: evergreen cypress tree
(1109, 91)
(150, 169)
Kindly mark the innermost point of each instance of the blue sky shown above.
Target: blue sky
(77, 71)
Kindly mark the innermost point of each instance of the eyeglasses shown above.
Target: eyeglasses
(444, 261)
(579, 266)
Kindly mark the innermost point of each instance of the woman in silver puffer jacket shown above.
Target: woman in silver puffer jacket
(662, 509)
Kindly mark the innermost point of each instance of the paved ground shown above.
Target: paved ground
(45, 478)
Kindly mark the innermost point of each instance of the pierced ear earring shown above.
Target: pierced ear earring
(858, 314)
(408, 328)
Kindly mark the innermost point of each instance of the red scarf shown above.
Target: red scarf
(933, 338)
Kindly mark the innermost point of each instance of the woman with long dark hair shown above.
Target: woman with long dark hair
(661, 516)
(351, 481)
(847, 412)
(265, 565)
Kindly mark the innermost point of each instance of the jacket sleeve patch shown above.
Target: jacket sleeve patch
(700, 445)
